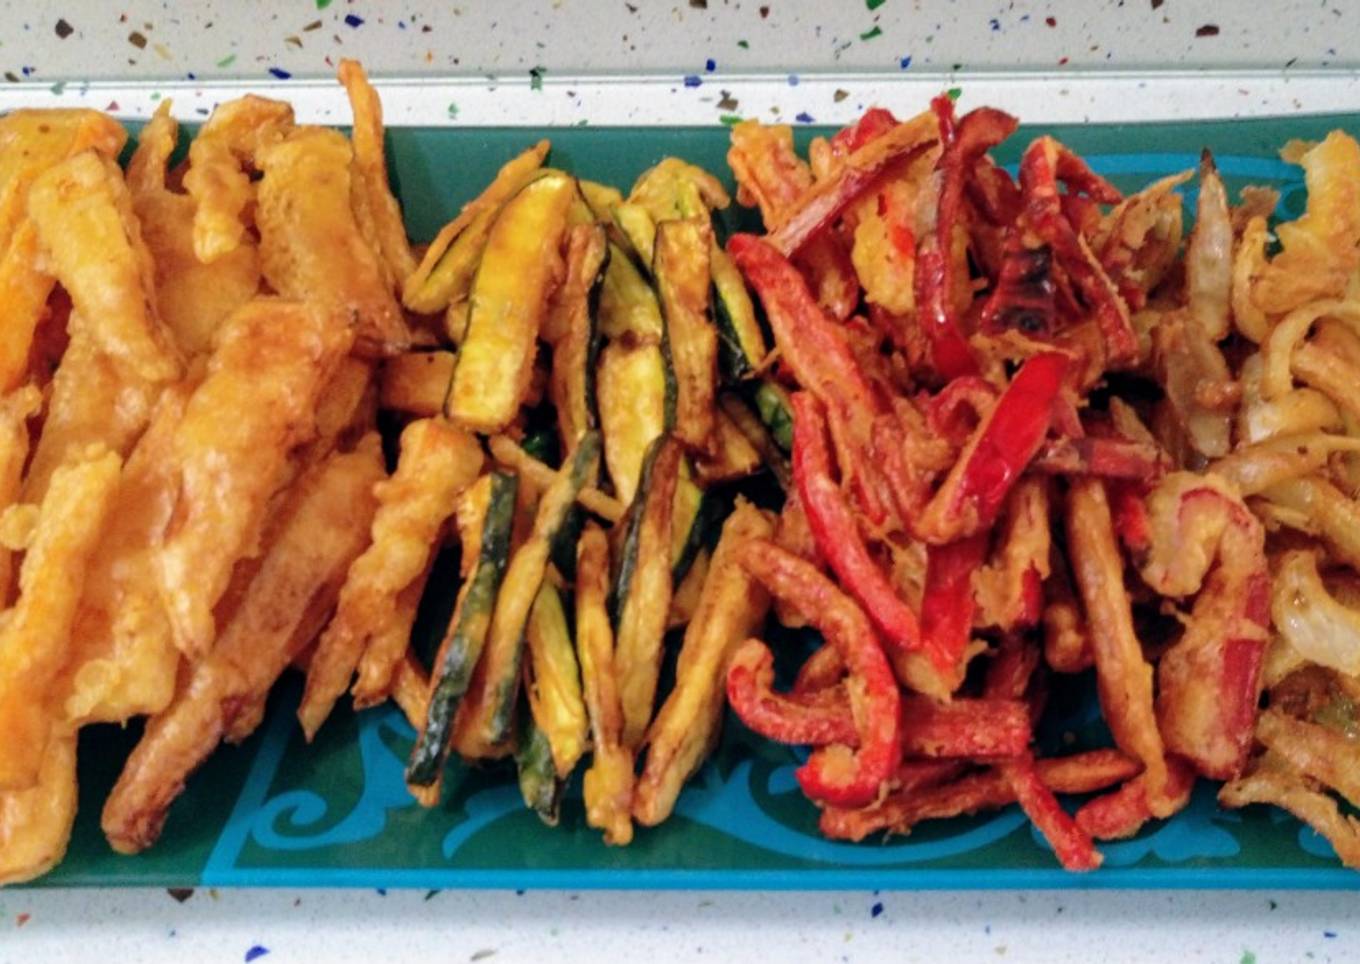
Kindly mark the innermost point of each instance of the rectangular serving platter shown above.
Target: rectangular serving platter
(275, 812)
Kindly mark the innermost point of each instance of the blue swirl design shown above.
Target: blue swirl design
(384, 789)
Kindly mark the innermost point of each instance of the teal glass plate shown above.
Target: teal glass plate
(276, 812)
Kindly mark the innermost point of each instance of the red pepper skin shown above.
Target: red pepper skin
(1024, 297)
(949, 352)
(1012, 435)
(948, 410)
(828, 776)
(964, 143)
(947, 603)
(1070, 842)
(1123, 812)
(1044, 164)
(817, 353)
(1001, 449)
(814, 720)
(836, 533)
(962, 729)
(970, 729)
(903, 809)
(874, 122)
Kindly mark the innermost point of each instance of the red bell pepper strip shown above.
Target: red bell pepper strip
(964, 729)
(900, 810)
(967, 728)
(1000, 450)
(1043, 165)
(949, 351)
(835, 531)
(813, 720)
(875, 122)
(947, 604)
(1070, 843)
(1024, 296)
(964, 143)
(1122, 813)
(836, 774)
(822, 362)
(822, 204)
(948, 411)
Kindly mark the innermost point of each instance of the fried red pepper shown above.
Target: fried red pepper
(1044, 164)
(1070, 842)
(836, 534)
(822, 361)
(814, 719)
(965, 142)
(947, 604)
(999, 451)
(1123, 812)
(901, 810)
(837, 774)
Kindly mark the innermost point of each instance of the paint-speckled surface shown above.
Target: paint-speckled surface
(56, 39)
(278, 926)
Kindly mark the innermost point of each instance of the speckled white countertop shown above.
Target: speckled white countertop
(277, 926)
(558, 63)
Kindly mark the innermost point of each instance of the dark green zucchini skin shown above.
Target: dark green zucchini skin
(558, 501)
(467, 633)
(771, 404)
(538, 782)
(628, 555)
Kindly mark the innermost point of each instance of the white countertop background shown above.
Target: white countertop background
(1089, 62)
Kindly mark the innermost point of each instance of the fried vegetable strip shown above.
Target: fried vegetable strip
(1122, 674)
(553, 681)
(486, 716)
(123, 661)
(36, 822)
(485, 515)
(643, 589)
(93, 400)
(681, 266)
(836, 774)
(732, 605)
(441, 277)
(1317, 752)
(15, 410)
(192, 296)
(84, 218)
(437, 462)
(326, 527)
(230, 449)
(218, 178)
(311, 247)
(371, 167)
(520, 266)
(901, 810)
(608, 783)
(35, 638)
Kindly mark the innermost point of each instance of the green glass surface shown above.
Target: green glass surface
(275, 811)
